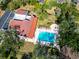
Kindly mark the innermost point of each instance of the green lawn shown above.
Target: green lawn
(28, 47)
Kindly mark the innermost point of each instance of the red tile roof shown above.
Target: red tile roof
(20, 11)
(25, 27)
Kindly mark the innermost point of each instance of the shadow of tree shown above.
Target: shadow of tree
(27, 56)
(62, 56)
(13, 57)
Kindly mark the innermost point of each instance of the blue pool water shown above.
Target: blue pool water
(47, 37)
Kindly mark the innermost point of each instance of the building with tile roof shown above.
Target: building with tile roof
(25, 24)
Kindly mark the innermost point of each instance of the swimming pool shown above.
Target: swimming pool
(47, 37)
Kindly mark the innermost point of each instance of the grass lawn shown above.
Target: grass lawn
(28, 47)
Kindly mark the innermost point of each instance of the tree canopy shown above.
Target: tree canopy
(67, 25)
(10, 44)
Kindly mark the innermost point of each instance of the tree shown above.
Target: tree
(45, 52)
(4, 3)
(10, 44)
(68, 26)
(14, 4)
